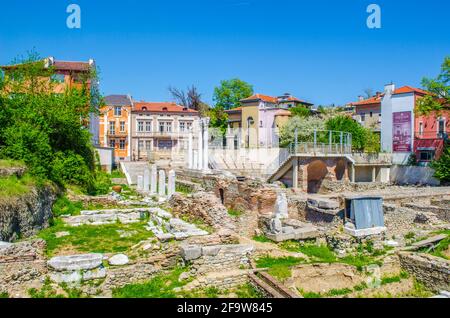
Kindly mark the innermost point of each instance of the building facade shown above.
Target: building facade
(257, 122)
(158, 130)
(115, 125)
(367, 112)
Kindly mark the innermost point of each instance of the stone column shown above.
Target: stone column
(171, 186)
(162, 183)
(230, 139)
(295, 173)
(190, 151)
(200, 147)
(154, 179)
(374, 174)
(195, 160)
(205, 144)
(146, 180)
(140, 183)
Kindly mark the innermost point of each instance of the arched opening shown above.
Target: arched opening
(222, 196)
(339, 171)
(317, 171)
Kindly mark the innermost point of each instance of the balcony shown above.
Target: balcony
(117, 134)
(162, 134)
(431, 135)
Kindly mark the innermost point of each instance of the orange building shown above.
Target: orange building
(115, 125)
(68, 75)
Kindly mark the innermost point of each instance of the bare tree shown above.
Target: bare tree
(179, 96)
(368, 92)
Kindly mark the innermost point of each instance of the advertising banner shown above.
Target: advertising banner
(402, 132)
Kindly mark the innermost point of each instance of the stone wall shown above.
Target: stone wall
(22, 264)
(23, 216)
(413, 175)
(204, 206)
(220, 266)
(330, 186)
(433, 272)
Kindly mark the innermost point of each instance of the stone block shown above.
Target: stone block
(191, 252)
(75, 262)
(118, 260)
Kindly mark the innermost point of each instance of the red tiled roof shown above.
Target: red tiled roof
(264, 98)
(71, 66)
(162, 108)
(409, 89)
(370, 101)
(238, 109)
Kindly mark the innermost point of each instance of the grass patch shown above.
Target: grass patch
(8, 163)
(94, 239)
(4, 295)
(248, 291)
(279, 267)
(160, 286)
(117, 174)
(47, 291)
(235, 213)
(359, 261)
(63, 206)
(442, 246)
(394, 279)
(321, 254)
(182, 188)
(261, 239)
(14, 186)
(310, 294)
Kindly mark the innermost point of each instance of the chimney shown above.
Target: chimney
(389, 88)
(49, 61)
(360, 98)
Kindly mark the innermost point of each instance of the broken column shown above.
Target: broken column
(146, 180)
(171, 186)
(162, 183)
(230, 139)
(154, 179)
(281, 206)
(140, 183)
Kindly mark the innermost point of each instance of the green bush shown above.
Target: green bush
(442, 166)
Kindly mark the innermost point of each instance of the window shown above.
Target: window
(371, 114)
(117, 111)
(441, 128)
(112, 143)
(148, 145)
(426, 155)
(420, 129)
(165, 126)
(148, 126)
(260, 123)
(182, 126)
(57, 78)
(141, 144)
(122, 126)
(140, 126)
(363, 116)
(112, 128)
(122, 144)
(189, 126)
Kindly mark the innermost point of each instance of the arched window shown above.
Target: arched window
(144, 109)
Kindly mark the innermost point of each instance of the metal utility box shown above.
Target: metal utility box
(364, 212)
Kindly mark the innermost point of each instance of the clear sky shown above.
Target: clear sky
(320, 50)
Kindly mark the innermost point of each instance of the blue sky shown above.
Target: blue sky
(320, 50)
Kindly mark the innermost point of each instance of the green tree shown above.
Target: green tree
(442, 166)
(301, 111)
(219, 119)
(439, 87)
(230, 92)
(45, 130)
(305, 128)
(363, 139)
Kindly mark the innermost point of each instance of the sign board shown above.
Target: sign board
(402, 132)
